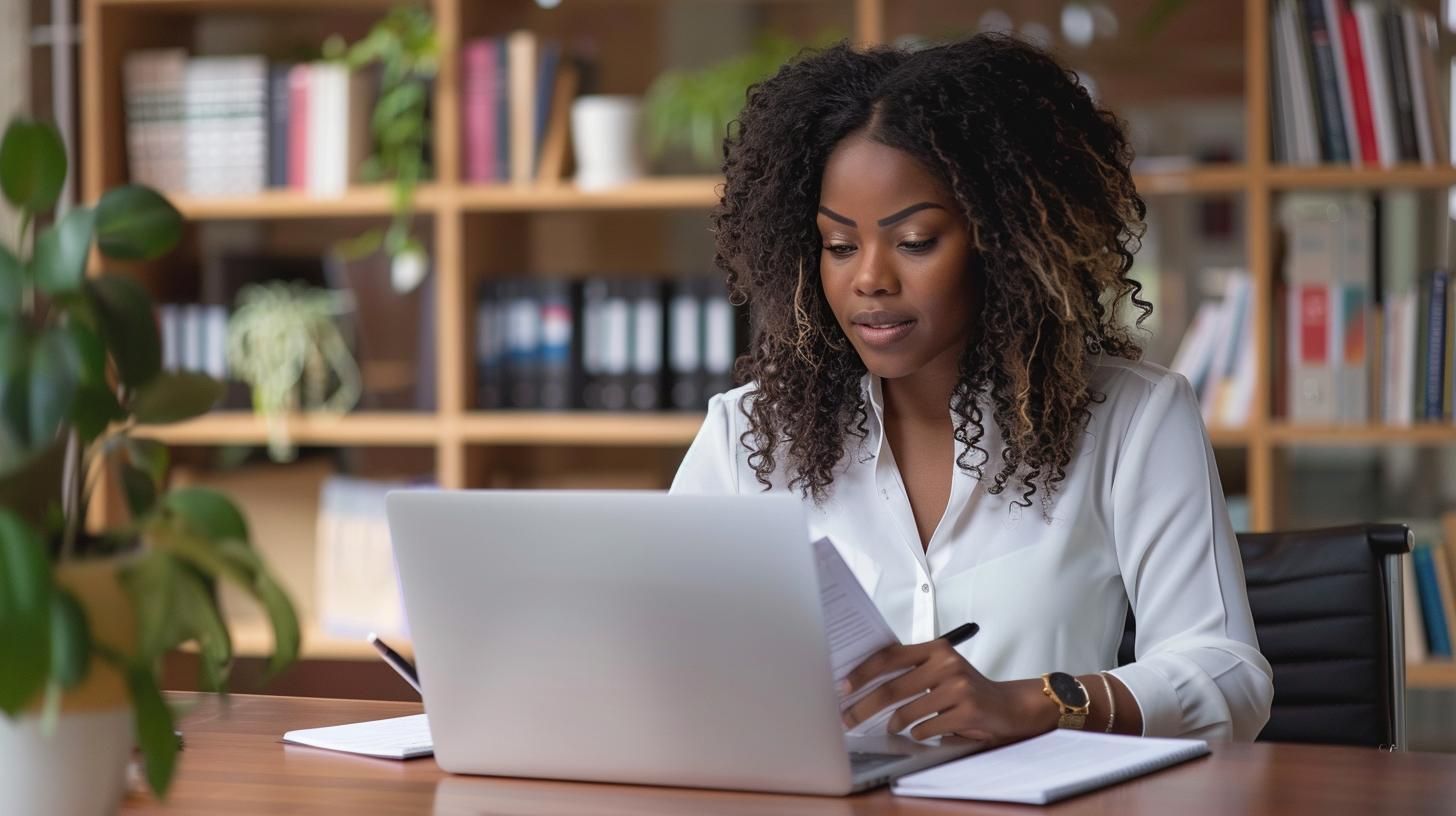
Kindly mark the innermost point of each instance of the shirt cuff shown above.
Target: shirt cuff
(1155, 697)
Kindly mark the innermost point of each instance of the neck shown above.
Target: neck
(925, 394)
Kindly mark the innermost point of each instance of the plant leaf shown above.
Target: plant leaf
(12, 283)
(124, 315)
(153, 727)
(32, 487)
(284, 620)
(55, 371)
(173, 396)
(94, 410)
(208, 513)
(25, 613)
(135, 223)
(70, 640)
(59, 264)
(196, 606)
(15, 347)
(91, 353)
(151, 583)
(141, 493)
(151, 456)
(32, 165)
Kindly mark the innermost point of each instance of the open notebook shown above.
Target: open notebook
(1050, 767)
(394, 738)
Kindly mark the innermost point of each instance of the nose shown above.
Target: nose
(875, 275)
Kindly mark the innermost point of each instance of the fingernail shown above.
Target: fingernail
(843, 687)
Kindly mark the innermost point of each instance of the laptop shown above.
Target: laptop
(630, 637)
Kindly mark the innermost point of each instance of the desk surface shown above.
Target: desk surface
(234, 763)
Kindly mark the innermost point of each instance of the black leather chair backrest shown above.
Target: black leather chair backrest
(1322, 611)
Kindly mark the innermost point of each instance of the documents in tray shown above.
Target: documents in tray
(394, 738)
(1050, 767)
(855, 629)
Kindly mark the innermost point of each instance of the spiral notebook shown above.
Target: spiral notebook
(1049, 768)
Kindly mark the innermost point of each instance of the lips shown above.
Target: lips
(881, 327)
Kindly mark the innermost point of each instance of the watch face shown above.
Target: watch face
(1067, 689)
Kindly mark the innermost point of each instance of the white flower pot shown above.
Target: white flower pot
(605, 140)
(79, 770)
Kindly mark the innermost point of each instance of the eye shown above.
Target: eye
(839, 250)
(917, 246)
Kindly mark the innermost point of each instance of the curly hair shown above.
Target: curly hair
(1042, 177)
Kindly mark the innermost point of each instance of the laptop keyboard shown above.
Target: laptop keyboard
(862, 762)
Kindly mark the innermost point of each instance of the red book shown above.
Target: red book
(478, 118)
(298, 127)
(1359, 86)
(1314, 325)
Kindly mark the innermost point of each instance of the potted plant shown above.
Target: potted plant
(86, 611)
(688, 112)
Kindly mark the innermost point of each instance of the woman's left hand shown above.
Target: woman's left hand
(963, 701)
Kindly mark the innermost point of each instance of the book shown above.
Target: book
(1359, 85)
(556, 145)
(278, 123)
(1311, 269)
(478, 90)
(1334, 143)
(1435, 342)
(521, 50)
(1420, 113)
(1050, 767)
(1400, 86)
(645, 393)
(1438, 637)
(394, 738)
(1377, 72)
(1445, 593)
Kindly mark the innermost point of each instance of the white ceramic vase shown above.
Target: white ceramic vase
(605, 140)
(79, 768)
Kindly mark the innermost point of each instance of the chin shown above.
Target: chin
(889, 366)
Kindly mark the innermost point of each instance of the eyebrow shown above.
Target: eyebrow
(887, 220)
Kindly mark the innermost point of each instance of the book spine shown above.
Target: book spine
(1438, 636)
(1405, 127)
(719, 338)
(1420, 113)
(647, 347)
(616, 317)
(502, 104)
(1333, 140)
(1435, 356)
(278, 125)
(556, 346)
(685, 346)
(490, 347)
(299, 113)
(524, 345)
(1342, 80)
(545, 89)
(1359, 85)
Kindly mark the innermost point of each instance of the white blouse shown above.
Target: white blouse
(1140, 518)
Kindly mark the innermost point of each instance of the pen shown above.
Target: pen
(397, 661)
(961, 633)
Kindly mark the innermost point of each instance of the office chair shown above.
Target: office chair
(1328, 614)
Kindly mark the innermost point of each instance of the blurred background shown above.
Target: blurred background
(465, 243)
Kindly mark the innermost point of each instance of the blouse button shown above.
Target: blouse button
(925, 587)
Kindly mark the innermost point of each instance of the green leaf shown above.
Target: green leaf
(32, 165)
(135, 223)
(55, 371)
(70, 640)
(88, 347)
(59, 264)
(151, 456)
(141, 493)
(175, 396)
(124, 315)
(151, 583)
(31, 487)
(208, 513)
(12, 283)
(196, 606)
(25, 613)
(94, 410)
(15, 347)
(153, 728)
(284, 621)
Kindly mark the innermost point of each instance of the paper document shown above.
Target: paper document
(1050, 767)
(394, 738)
(855, 628)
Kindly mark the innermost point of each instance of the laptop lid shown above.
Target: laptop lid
(620, 636)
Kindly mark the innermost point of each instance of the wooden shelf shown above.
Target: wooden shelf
(1229, 437)
(586, 429)
(1405, 175)
(663, 193)
(244, 5)
(1210, 179)
(1434, 674)
(234, 428)
(284, 204)
(1421, 434)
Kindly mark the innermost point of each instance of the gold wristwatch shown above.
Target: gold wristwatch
(1070, 696)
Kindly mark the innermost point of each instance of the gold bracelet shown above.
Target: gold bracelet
(1111, 702)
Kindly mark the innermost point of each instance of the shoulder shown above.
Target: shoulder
(1139, 398)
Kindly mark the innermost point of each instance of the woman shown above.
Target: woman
(934, 249)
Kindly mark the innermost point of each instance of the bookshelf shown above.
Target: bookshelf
(456, 213)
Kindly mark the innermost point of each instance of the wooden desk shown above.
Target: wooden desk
(234, 763)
